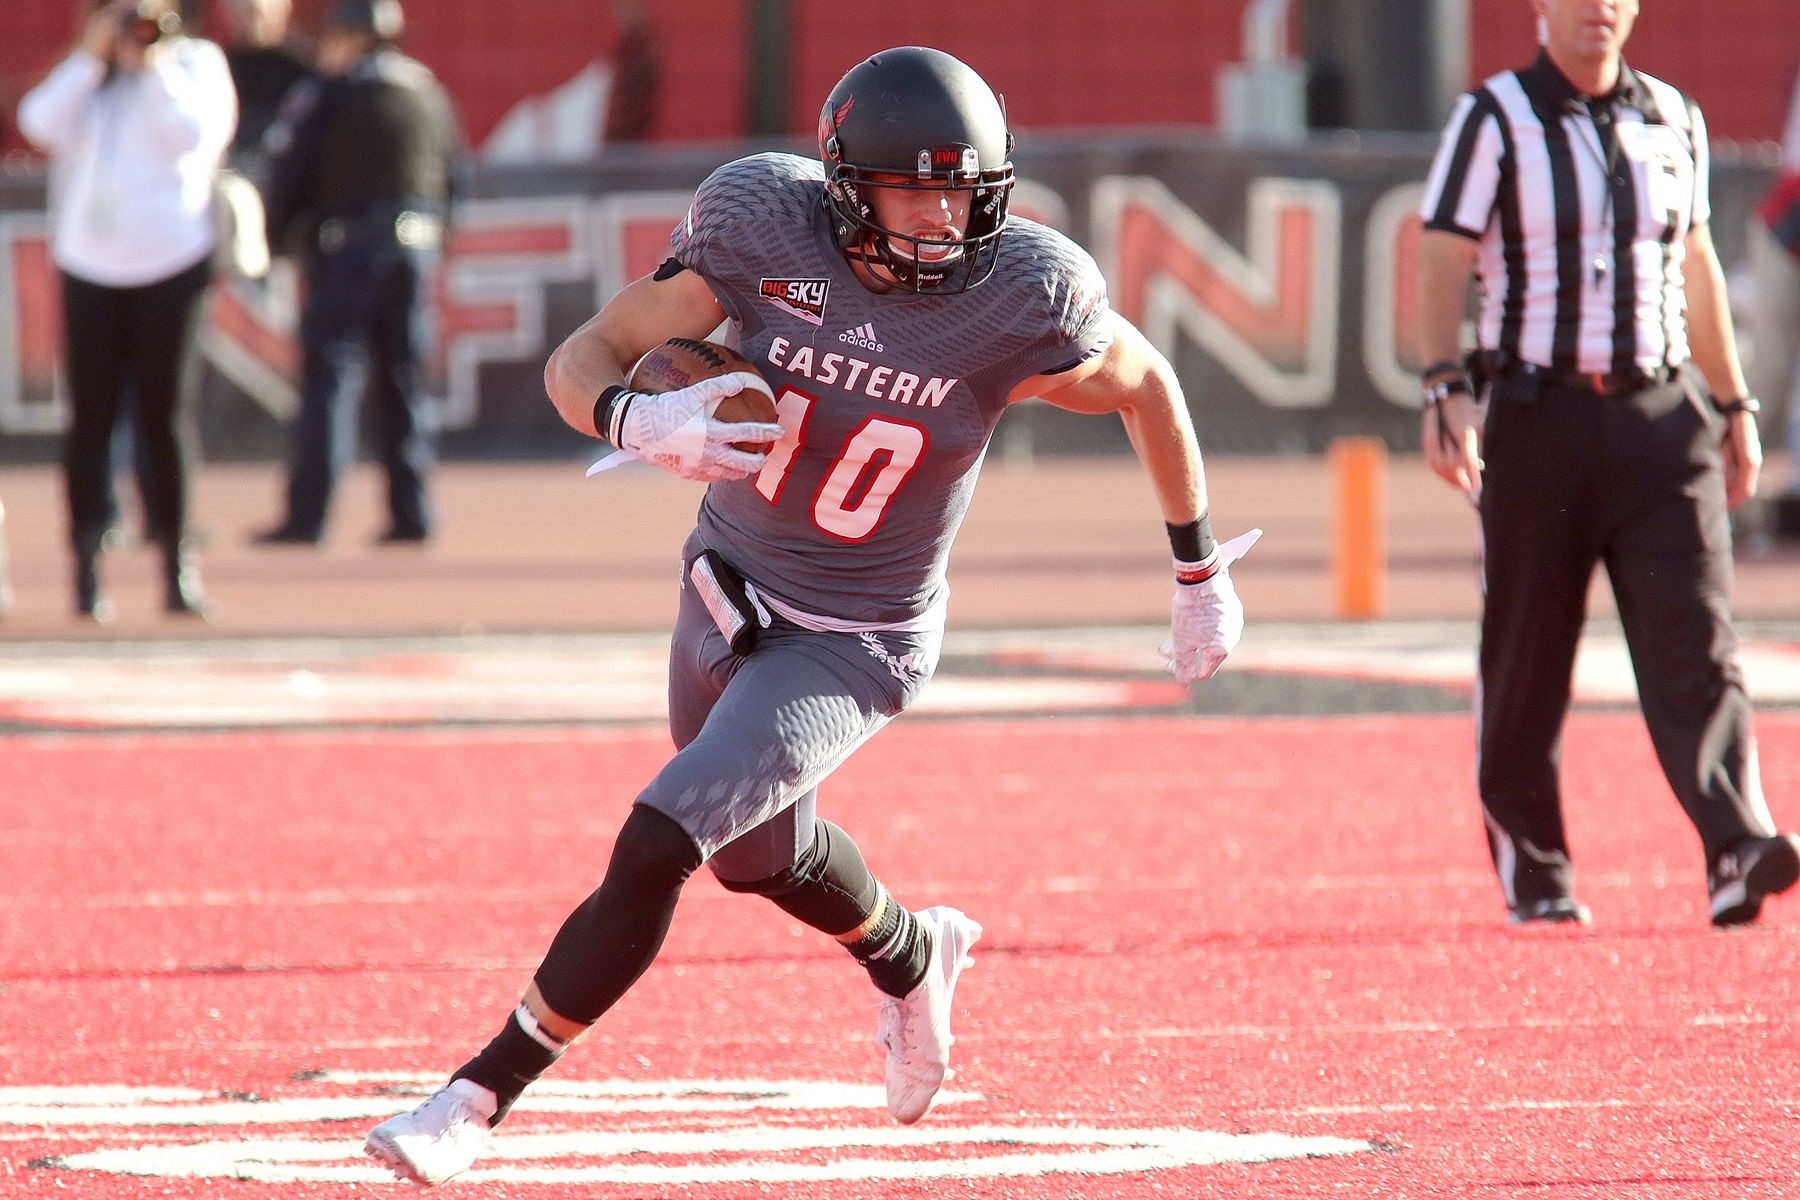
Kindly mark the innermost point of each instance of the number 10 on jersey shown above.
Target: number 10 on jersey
(870, 468)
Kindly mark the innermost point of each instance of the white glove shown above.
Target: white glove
(1207, 618)
(676, 430)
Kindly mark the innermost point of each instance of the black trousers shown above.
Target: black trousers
(1634, 482)
(140, 342)
(366, 327)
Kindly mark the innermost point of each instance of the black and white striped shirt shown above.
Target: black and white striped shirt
(1580, 262)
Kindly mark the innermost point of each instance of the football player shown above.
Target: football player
(896, 310)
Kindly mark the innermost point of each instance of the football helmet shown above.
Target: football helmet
(918, 119)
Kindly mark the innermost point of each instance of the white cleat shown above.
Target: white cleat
(915, 1028)
(438, 1140)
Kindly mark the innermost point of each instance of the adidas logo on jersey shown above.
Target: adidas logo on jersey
(864, 336)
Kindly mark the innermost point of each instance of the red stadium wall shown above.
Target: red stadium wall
(1154, 61)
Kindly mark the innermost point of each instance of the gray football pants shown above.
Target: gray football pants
(756, 734)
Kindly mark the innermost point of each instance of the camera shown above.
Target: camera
(147, 22)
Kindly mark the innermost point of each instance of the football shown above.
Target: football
(679, 362)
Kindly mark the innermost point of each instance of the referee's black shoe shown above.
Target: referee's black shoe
(1558, 910)
(1744, 875)
(286, 535)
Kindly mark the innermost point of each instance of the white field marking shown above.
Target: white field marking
(1070, 1150)
(1449, 879)
(1271, 1033)
(315, 1045)
(413, 1083)
(1709, 1020)
(138, 741)
(997, 726)
(91, 1095)
(1361, 1028)
(1454, 880)
(514, 685)
(1433, 654)
(703, 1095)
(1705, 1102)
(621, 679)
(298, 898)
(263, 1046)
(1602, 673)
(118, 1106)
(720, 1153)
(212, 1112)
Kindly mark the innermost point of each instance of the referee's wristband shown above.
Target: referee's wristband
(609, 410)
(1437, 393)
(1743, 404)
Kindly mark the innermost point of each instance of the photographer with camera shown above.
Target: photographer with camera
(135, 121)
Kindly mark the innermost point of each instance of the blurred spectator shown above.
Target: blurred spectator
(609, 101)
(635, 95)
(135, 120)
(1775, 318)
(360, 190)
(265, 64)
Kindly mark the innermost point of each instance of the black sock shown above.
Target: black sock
(895, 950)
(508, 1065)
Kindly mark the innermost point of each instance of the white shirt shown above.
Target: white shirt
(132, 160)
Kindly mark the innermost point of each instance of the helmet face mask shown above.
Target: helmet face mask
(915, 119)
(948, 264)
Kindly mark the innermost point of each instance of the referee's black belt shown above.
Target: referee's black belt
(1600, 383)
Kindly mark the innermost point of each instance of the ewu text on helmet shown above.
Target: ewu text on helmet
(913, 118)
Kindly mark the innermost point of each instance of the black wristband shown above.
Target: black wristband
(1448, 366)
(1192, 542)
(611, 398)
(1437, 393)
(1743, 404)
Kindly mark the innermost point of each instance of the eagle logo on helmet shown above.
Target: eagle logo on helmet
(828, 126)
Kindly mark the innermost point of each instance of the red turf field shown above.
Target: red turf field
(220, 954)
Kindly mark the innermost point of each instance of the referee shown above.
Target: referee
(1575, 191)
(361, 182)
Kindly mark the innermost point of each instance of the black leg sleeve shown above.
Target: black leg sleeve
(831, 889)
(611, 940)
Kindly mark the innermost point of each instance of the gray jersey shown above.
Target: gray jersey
(888, 399)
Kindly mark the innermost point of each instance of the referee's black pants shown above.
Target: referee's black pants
(1636, 482)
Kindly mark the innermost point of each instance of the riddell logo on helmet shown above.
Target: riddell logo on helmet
(864, 336)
